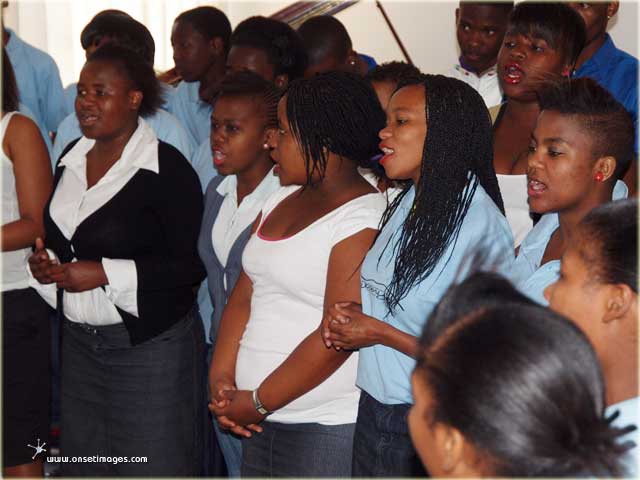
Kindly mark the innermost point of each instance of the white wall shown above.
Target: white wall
(425, 27)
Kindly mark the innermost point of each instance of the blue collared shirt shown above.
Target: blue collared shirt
(528, 275)
(203, 164)
(193, 113)
(166, 127)
(484, 236)
(617, 71)
(629, 415)
(38, 81)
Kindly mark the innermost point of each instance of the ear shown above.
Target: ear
(268, 136)
(457, 15)
(452, 443)
(217, 45)
(620, 302)
(612, 9)
(281, 81)
(352, 61)
(604, 168)
(135, 99)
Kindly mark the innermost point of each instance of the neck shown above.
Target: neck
(591, 48)
(209, 81)
(5, 37)
(249, 180)
(571, 217)
(109, 150)
(340, 176)
(621, 371)
(524, 112)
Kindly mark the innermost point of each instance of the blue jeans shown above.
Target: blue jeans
(298, 450)
(381, 445)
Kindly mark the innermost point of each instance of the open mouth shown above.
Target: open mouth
(218, 157)
(386, 153)
(513, 74)
(535, 188)
(87, 119)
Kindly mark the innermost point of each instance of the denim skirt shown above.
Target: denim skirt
(132, 410)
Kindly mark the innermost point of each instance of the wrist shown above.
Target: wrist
(257, 404)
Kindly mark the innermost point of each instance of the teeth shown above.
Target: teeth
(387, 151)
(218, 154)
(537, 186)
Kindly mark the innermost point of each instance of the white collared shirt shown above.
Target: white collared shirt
(486, 85)
(73, 202)
(232, 218)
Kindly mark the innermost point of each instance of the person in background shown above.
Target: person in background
(581, 146)
(544, 415)
(542, 44)
(598, 290)
(200, 41)
(39, 81)
(26, 342)
(267, 47)
(614, 69)
(100, 30)
(118, 28)
(122, 227)
(243, 120)
(385, 79)
(480, 28)
(329, 47)
(438, 135)
(270, 366)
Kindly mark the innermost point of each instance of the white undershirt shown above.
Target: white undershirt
(72, 203)
(232, 218)
(486, 85)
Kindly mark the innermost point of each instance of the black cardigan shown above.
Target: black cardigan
(154, 220)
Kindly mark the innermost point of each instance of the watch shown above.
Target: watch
(258, 404)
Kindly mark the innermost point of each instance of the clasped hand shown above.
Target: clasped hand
(73, 277)
(234, 408)
(344, 326)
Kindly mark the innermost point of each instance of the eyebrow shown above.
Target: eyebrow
(555, 140)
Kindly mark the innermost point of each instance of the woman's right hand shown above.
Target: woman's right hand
(218, 384)
(39, 263)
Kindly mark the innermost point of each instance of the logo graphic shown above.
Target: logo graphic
(38, 449)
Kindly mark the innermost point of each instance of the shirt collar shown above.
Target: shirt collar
(140, 152)
(603, 56)
(229, 186)
(461, 67)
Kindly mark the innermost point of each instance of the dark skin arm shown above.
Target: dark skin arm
(346, 327)
(24, 145)
(311, 362)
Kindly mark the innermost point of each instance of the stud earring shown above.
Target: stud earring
(599, 177)
(265, 146)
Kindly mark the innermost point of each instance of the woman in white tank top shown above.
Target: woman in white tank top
(26, 186)
(270, 366)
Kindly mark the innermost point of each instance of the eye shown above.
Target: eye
(100, 93)
(214, 126)
(537, 48)
(281, 131)
(401, 121)
(490, 32)
(509, 44)
(231, 128)
(465, 28)
(553, 153)
(532, 148)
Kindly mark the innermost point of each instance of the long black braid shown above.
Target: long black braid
(335, 112)
(457, 156)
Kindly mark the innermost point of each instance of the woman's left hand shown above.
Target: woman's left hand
(78, 276)
(239, 409)
(353, 329)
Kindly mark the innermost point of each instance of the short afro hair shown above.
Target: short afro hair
(281, 43)
(137, 70)
(392, 72)
(599, 114)
(209, 22)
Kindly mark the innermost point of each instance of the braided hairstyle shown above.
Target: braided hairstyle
(250, 84)
(456, 158)
(335, 112)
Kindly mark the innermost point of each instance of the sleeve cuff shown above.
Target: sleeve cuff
(122, 289)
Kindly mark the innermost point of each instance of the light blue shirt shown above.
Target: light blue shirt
(629, 415)
(70, 93)
(528, 275)
(38, 82)
(166, 127)
(483, 242)
(22, 108)
(203, 164)
(193, 113)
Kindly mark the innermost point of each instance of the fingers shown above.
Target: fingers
(39, 244)
(255, 428)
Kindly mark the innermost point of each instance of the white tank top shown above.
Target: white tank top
(513, 189)
(14, 263)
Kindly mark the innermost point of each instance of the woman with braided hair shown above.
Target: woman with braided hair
(272, 379)
(448, 219)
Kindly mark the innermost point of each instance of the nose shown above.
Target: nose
(217, 135)
(474, 38)
(518, 52)
(385, 133)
